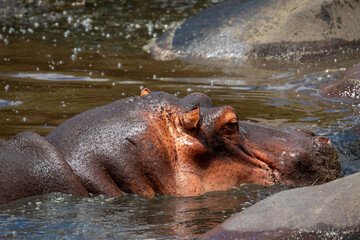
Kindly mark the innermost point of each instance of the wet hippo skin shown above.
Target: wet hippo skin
(158, 143)
(328, 211)
(242, 29)
(32, 166)
(299, 156)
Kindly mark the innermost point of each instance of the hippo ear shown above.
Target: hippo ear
(190, 119)
(145, 91)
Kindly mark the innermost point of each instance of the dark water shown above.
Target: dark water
(60, 58)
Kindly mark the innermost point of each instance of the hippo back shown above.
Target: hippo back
(32, 166)
(273, 28)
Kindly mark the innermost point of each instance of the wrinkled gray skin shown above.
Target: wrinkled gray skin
(251, 28)
(328, 211)
(32, 166)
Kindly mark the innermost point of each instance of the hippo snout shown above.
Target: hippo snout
(297, 157)
(316, 162)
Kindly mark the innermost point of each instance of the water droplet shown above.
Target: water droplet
(11, 30)
(66, 33)
(69, 19)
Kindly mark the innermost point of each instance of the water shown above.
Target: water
(60, 58)
(130, 217)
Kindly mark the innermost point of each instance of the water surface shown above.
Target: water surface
(60, 58)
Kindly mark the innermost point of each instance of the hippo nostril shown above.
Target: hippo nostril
(322, 140)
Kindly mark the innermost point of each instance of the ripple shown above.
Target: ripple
(57, 77)
(6, 103)
(209, 81)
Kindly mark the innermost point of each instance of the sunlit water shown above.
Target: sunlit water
(60, 58)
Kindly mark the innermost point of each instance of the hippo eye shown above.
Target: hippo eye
(232, 126)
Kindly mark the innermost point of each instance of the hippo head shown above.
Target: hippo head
(216, 152)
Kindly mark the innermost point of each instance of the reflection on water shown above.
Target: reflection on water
(60, 58)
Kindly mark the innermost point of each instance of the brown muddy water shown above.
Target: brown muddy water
(60, 58)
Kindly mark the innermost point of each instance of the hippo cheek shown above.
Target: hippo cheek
(191, 151)
(240, 166)
(225, 174)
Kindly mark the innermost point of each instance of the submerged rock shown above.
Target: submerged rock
(251, 28)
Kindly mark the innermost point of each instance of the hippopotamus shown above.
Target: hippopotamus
(347, 84)
(32, 166)
(243, 29)
(159, 143)
(328, 211)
